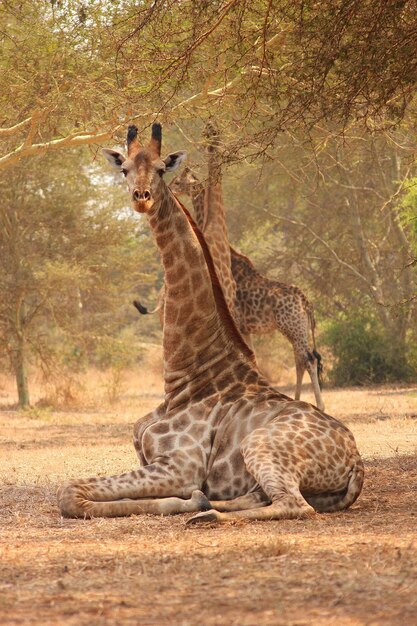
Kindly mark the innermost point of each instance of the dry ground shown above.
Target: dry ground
(356, 567)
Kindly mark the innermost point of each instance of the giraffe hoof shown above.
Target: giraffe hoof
(200, 501)
(205, 516)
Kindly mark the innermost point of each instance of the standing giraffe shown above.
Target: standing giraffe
(222, 432)
(263, 305)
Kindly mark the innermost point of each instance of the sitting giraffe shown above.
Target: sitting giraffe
(263, 305)
(222, 433)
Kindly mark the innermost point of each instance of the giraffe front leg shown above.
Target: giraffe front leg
(288, 506)
(157, 506)
(130, 493)
(289, 509)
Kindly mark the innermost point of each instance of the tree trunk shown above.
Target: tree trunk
(21, 377)
(20, 361)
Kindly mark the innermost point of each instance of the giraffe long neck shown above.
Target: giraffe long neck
(197, 192)
(241, 265)
(214, 213)
(215, 229)
(199, 333)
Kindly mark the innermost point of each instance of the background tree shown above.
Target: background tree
(331, 222)
(72, 260)
(316, 107)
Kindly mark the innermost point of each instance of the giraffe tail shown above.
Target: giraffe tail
(319, 360)
(338, 501)
(143, 310)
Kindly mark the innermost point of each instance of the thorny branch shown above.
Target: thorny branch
(73, 140)
(350, 267)
(8, 132)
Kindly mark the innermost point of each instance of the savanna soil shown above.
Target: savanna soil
(352, 568)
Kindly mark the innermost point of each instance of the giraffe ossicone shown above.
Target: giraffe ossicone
(222, 433)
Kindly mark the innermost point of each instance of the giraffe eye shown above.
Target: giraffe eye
(124, 171)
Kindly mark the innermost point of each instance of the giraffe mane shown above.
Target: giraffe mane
(219, 298)
(242, 256)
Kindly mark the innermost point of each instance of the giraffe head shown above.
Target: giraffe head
(184, 182)
(211, 131)
(143, 167)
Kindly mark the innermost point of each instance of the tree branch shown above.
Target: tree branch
(71, 141)
(326, 245)
(221, 91)
(7, 132)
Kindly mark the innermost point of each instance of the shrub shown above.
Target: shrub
(363, 353)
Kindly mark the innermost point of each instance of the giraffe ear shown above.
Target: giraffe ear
(116, 159)
(173, 160)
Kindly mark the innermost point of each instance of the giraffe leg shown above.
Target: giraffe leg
(278, 483)
(300, 369)
(289, 506)
(115, 496)
(312, 370)
(254, 500)
(157, 506)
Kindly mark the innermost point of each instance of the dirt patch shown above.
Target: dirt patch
(353, 568)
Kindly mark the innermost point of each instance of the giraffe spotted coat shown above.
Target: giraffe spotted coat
(224, 443)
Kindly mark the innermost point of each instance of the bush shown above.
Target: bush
(363, 353)
(119, 352)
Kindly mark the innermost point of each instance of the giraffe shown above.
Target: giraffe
(223, 444)
(263, 305)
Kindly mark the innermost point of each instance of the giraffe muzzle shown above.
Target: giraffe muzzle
(142, 201)
(141, 195)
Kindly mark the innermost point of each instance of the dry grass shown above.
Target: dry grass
(354, 568)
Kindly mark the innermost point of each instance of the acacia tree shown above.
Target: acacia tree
(53, 80)
(79, 71)
(275, 74)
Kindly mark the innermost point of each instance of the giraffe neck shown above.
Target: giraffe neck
(214, 214)
(199, 332)
(242, 266)
(196, 192)
(215, 229)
